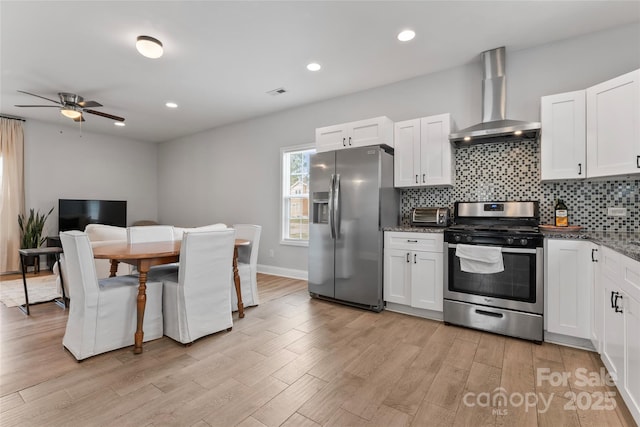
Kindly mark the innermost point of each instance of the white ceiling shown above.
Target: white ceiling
(222, 57)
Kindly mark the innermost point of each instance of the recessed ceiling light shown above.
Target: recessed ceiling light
(406, 35)
(518, 132)
(149, 47)
(314, 66)
(121, 124)
(467, 138)
(171, 105)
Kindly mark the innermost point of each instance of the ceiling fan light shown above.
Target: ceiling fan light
(149, 47)
(71, 113)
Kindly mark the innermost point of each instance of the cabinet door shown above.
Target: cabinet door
(426, 280)
(436, 151)
(406, 159)
(597, 308)
(631, 308)
(331, 138)
(378, 130)
(397, 279)
(613, 126)
(569, 287)
(612, 332)
(563, 136)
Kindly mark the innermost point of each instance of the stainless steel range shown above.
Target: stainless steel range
(494, 268)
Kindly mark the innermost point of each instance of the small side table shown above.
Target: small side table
(37, 252)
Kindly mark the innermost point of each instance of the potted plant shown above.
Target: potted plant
(31, 233)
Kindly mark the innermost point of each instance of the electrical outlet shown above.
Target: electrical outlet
(616, 211)
(272, 253)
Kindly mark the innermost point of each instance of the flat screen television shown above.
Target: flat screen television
(76, 214)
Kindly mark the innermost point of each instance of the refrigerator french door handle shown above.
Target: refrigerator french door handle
(336, 206)
(331, 206)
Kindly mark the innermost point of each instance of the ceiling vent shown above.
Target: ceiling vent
(278, 91)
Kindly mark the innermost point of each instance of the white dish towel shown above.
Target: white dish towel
(480, 259)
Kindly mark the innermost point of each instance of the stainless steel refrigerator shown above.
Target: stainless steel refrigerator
(352, 198)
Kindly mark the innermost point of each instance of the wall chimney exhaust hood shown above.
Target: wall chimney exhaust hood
(495, 127)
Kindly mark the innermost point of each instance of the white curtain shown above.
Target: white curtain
(12, 183)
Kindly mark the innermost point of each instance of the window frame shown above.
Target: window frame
(283, 220)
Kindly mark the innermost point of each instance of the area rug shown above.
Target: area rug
(40, 288)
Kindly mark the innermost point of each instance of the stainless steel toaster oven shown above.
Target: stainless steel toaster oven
(430, 217)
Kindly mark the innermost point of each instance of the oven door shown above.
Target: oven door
(518, 287)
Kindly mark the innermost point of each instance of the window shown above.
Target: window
(295, 194)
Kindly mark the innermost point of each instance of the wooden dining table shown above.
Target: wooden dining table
(146, 255)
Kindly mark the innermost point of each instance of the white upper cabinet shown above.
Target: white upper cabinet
(423, 153)
(563, 136)
(375, 131)
(406, 157)
(613, 126)
(592, 133)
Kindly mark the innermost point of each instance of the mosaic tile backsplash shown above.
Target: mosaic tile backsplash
(511, 171)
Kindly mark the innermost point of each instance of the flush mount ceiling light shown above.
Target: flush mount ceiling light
(149, 47)
(406, 35)
(314, 66)
(171, 105)
(70, 112)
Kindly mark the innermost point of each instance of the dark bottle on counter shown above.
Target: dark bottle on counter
(561, 214)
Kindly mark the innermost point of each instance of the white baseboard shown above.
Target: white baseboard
(284, 272)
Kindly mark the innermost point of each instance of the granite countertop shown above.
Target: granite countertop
(411, 229)
(626, 243)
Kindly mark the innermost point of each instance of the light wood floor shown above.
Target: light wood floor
(294, 361)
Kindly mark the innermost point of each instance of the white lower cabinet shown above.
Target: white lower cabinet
(413, 269)
(620, 347)
(570, 266)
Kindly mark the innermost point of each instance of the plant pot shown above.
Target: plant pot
(32, 261)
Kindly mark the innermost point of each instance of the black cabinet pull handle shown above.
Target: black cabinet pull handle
(618, 309)
(414, 259)
(638, 161)
(408, 257)
(412, 241)
(423, 178)
(592, 257)
(349, 140)
(416, 179)
(344, 142)
(579, 168)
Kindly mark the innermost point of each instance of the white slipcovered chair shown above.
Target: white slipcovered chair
(247, 265)
(197, 298)
(102, 316)
(100, 235)
(178, 232)
(150, 233)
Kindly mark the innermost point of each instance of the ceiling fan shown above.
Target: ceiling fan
(73, 106)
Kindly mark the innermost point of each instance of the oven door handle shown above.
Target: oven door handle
(507, 250)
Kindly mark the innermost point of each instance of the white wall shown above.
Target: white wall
(62, 163)
(231, 174)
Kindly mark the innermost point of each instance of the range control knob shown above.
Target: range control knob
(457, 237)
(510, 240)
(523, 242)
(468, 238)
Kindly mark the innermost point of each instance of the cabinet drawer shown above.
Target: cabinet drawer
(430, 242)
